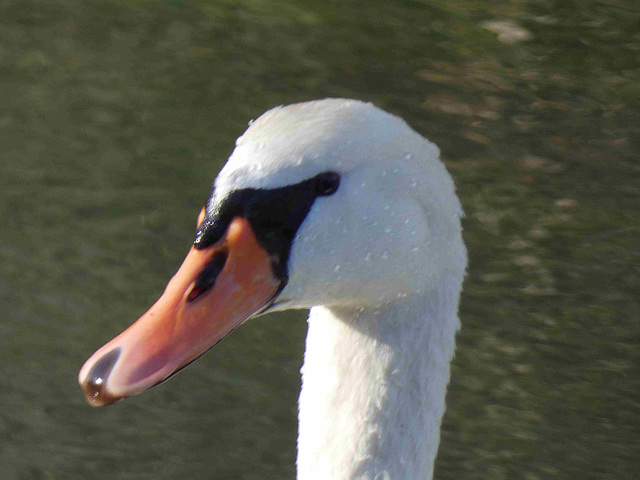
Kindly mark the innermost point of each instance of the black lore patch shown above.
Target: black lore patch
(275, 215)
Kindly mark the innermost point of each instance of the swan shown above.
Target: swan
(338, 207)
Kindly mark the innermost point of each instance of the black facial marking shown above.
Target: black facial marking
(275, 215)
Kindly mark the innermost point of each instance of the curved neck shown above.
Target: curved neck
(373, 388)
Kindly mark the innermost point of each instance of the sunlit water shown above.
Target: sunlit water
(115, 117)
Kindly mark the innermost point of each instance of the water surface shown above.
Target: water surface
(115, 117)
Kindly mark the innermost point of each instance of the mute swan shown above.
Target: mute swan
(340, 207)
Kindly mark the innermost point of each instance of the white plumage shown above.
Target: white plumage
(381, 263)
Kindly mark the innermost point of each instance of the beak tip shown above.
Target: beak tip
(94, 383)
(97, 395)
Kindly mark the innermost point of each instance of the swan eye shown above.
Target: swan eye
(207, 277)
(326, 183)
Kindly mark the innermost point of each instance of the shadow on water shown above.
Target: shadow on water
(114, 118)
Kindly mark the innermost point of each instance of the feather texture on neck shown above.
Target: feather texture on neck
(374, 384)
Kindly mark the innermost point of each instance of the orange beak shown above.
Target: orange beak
(188, 319)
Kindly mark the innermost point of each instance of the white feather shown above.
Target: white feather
(381, 263)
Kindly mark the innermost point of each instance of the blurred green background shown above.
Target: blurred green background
(115, 117)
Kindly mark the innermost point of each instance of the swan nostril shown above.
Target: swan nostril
(208, 276)
(94, 385)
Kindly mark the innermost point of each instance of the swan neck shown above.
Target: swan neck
(373, 390)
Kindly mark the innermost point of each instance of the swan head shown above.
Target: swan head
(332, 202)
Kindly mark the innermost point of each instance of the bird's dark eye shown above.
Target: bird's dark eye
(207, 277)
(326, 183)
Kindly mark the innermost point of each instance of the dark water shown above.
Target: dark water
(115, 117)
